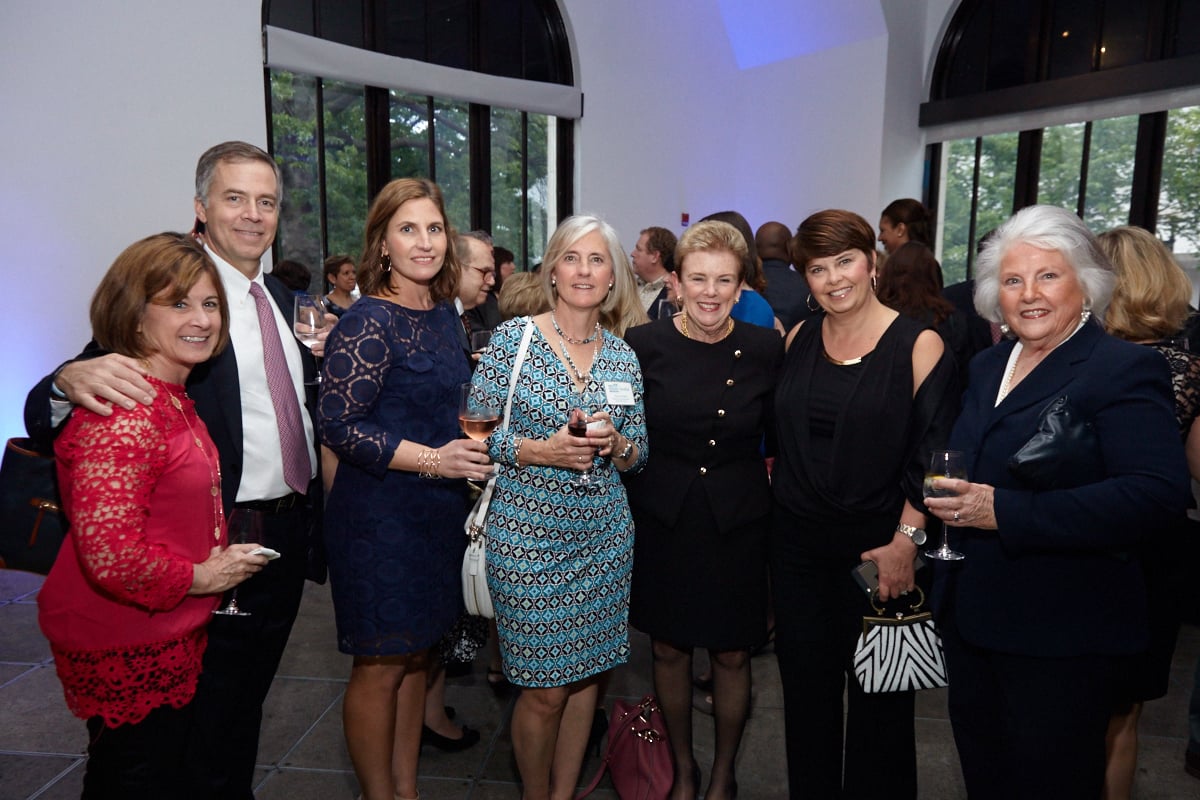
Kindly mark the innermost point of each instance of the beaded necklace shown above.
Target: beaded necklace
(214, 477)
(559, 331)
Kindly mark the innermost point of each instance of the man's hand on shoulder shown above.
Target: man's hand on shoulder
(98, 383)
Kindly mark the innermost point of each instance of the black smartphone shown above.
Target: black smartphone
(866, 574)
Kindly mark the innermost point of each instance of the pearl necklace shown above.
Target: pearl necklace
(559, 331)
(214, 477)
(683, 328)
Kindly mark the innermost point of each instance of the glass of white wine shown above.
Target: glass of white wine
(944, 464)
(308, 322)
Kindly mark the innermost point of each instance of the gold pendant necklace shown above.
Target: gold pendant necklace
(213, 476)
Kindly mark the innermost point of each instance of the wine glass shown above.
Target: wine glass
(944, 464)
(308, 322)
(245, 527)
(477, 416)
(589, 402)
(479, 340)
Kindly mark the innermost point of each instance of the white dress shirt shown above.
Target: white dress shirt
(262, 459)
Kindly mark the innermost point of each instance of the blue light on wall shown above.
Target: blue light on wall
(765, 31)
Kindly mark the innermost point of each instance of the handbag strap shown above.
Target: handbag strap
(475, 523)
(516, 372)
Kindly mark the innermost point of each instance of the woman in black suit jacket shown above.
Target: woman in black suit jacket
(701, 505)
(1040, 618)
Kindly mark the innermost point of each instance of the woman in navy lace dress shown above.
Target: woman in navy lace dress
(393, 523)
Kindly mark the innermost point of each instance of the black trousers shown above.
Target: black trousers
(137, 762)
(1029, 727)
(239, 665)
(818, 618)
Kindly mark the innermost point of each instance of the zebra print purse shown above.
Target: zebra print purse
(899, 653)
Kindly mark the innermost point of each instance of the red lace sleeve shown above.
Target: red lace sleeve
(115, 463)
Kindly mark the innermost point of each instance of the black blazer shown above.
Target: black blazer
(1054, 579)
(215, 388)
(707, 409)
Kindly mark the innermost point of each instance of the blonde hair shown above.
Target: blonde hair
(712, 236)
(1150, 299)
(522, 296)
(621, 308)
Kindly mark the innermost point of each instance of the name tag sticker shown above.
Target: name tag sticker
(618, 393)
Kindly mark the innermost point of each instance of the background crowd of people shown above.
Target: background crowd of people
(704, 442)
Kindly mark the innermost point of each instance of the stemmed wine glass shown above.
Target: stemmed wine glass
(944, 464)
(578, 425)
(245, 527)
(308, 322)
(477, 416)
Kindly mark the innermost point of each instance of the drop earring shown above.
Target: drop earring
(385, 262)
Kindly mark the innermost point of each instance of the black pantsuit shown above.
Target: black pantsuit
(815, 646)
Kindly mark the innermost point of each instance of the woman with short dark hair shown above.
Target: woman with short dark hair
(864, 395)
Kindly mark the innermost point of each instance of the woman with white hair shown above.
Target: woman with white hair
(1073, 455)
(560, 554)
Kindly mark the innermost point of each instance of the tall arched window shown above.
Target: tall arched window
(478, 96)
(1092, 105)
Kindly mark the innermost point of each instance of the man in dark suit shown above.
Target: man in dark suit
(786, 291)
(653, 261)
(253, 400)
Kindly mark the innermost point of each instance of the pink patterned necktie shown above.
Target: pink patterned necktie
(296, 465)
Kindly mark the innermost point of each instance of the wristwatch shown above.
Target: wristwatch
(916, 534)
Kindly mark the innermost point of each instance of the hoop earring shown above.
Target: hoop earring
(385, 263)
(874, 284)
(809, 304)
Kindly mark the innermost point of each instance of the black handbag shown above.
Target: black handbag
(33, 524)
(1063, 454)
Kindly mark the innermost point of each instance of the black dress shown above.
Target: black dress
(701, 506)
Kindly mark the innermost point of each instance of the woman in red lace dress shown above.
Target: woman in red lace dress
(126, 604)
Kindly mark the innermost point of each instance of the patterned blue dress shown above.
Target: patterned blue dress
(395, 541)
(559, 556)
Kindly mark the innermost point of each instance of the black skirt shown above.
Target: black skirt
(694, 586)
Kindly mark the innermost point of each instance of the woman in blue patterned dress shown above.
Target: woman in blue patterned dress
(393, 530)
(560, 555)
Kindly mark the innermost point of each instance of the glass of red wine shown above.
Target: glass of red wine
(578, 425)
(477, 416)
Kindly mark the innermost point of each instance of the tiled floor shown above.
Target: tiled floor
(303, 757)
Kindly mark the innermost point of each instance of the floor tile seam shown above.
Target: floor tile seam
(31, 668)
(312, 678)
(50, 784)
(43, 754)
(320, 717)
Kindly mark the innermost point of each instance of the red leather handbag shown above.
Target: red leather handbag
(638, 757)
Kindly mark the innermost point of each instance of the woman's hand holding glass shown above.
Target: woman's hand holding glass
(465, 458)
(971, 505)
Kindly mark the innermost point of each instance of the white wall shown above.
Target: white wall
(672, 125)
(107, 104)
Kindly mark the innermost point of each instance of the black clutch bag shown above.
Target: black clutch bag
(32, 524)
(1063, 454)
